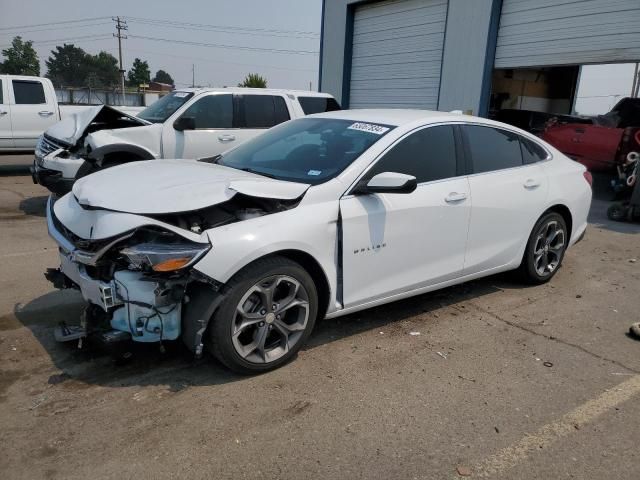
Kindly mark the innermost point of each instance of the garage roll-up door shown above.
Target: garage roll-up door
(397, 54)
(561, 32)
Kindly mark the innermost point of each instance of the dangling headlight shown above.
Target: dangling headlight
(161, 257)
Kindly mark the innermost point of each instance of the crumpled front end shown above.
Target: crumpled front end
(134, 277)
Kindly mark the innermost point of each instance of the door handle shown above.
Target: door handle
(226, 138)
(454, 197)
(531, 183)
(45, 113)
(3, 112)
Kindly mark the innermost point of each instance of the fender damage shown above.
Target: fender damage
(134, 265)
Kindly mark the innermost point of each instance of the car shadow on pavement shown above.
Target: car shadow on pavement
(176, 367)
(34, 206)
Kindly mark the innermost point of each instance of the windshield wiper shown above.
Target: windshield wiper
(251, 170)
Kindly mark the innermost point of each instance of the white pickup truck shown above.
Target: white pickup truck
(189, 123)
(28, 106)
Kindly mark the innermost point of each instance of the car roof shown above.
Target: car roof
(398, 117)
(271, 91)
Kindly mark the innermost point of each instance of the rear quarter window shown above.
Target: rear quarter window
(28, 92)
(532, 152)
(312, 105)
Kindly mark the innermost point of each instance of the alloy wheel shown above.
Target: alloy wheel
(549, 248)
(270, 319)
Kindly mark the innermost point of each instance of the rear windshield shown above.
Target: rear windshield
(318, 104)
(162, 109)
(307, 150)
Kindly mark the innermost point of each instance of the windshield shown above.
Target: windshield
(163, 108)
(308, 150)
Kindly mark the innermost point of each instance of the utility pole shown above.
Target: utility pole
(193, 75)
(120, 25)
(636, 82)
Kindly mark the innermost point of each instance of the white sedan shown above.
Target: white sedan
(318, 217)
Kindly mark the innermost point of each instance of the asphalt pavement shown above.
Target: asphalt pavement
(490, 379)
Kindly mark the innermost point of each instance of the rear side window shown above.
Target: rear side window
(318, 105)
(262, 111)
(531, 151)
(428, 154)
(28, 93)
(212, 111)
(492, 148)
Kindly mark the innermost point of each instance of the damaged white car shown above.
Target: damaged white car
(318, 217)
(188, 123)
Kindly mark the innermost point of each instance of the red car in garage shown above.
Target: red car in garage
(602, 144)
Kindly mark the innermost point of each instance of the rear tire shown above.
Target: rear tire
(268, 313)
(545, 249)
(617, 212)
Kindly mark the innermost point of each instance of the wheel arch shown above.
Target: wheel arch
(565, 213)
(126, 149)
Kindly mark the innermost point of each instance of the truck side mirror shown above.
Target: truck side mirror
(185, 123)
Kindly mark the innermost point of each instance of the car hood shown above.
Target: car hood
(70, 129)
(173, 186)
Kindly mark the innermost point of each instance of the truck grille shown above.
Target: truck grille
(47, 144)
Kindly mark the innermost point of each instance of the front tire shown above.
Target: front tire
(545, 249)
(268, 313)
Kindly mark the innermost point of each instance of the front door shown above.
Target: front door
(393, 243)
(31, 112)
(6, 136)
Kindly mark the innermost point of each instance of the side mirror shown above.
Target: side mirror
(388, 182)
(185, 123)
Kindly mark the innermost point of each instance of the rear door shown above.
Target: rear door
(394, 243)
(6, 137)
(257, 113)
(509, 189)
(31, 111)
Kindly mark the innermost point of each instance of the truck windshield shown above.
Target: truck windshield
(163, 108)
(307, 150)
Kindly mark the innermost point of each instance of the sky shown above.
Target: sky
(601, 86)
(292, 26)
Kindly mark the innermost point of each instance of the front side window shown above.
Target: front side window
(492, 148)
(428, 154)
(212, 111)
(27, 92)
(318, 104)
(161, 109)
(262, 111)
(307, 150)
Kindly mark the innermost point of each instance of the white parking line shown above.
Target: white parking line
(545, 436)
(25, 254)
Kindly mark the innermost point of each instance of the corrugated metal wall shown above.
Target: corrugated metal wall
(397, 54)
(561, 32)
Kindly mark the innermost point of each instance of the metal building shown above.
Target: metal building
(471, 55)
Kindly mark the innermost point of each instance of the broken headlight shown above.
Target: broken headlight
(163, 257)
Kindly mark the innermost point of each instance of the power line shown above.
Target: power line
(236, 47)
(225, 28)
(80, 20)
(85, 38)
(55, 28)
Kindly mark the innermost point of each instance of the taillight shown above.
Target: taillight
(588, 177)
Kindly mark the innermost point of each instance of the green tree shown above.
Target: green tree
(20, 58)
(68, 65)
(254, 80)
(139, 73)
(163, 77)
(104, 69)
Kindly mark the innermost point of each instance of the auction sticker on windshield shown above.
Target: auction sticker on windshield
(369, 127)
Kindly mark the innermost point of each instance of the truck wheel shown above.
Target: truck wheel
(268, 313)
(545, 249)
